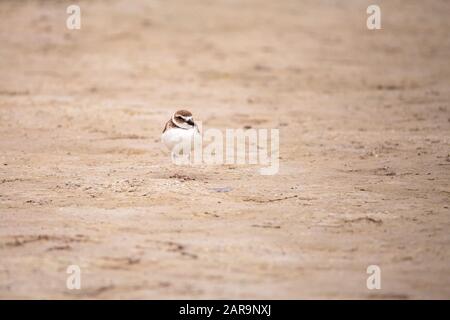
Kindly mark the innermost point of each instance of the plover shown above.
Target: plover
(179, 130)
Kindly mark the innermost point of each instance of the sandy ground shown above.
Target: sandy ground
(364, 121)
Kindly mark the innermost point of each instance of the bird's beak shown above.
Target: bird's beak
(190, 121)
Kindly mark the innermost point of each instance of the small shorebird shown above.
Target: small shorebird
(180, 128)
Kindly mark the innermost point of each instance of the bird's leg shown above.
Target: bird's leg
(180, 159)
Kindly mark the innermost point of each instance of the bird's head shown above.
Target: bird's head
(183, 119)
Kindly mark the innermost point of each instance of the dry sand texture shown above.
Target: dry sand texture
(364, 122)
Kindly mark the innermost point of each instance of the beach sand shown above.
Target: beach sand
(364, 177)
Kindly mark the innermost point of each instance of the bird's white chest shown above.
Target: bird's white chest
(174, 136)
